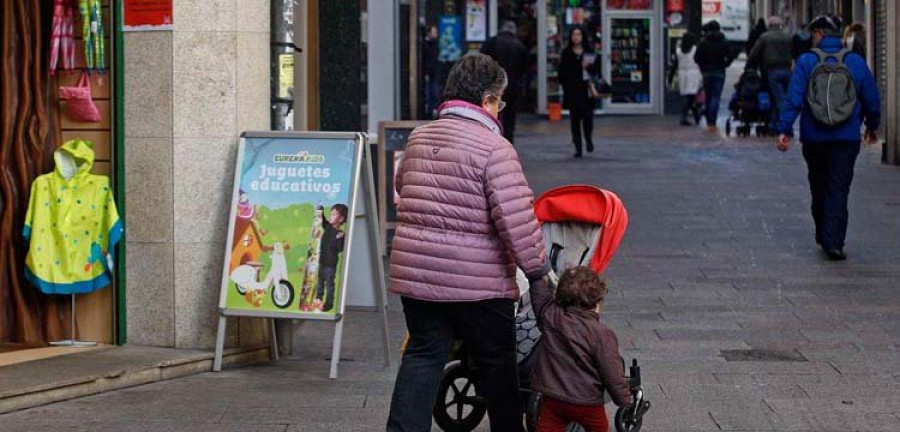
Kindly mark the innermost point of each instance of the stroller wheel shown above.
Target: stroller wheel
(624, 422)
(459, 407)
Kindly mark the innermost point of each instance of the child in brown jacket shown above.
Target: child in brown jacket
(579, 355)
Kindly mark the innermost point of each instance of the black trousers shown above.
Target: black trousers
(689, 105)
(582, 117)
(488, 326)
(830, 174)
(508, 117)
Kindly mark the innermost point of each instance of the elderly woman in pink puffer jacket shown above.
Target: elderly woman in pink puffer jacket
(466, 223)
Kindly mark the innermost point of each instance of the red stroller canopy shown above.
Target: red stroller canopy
(587, 204)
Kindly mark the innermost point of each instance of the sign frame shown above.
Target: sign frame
(385, 183)
(157, 15)
(360, 177)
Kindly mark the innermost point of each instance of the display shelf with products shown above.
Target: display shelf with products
(630, 60)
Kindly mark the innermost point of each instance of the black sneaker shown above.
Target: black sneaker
(590, 147)
(836, 254)
(578, 155)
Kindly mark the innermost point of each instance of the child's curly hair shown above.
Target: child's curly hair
(580, 287)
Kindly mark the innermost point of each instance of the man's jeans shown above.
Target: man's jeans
(488, 328)
(779, 80)
(713, 86)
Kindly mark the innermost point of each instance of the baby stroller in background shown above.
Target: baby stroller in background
(581, 225)
(750, 105)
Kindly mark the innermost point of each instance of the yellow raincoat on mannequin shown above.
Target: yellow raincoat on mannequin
(72, 225)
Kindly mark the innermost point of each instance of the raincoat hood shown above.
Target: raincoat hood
(75, 157)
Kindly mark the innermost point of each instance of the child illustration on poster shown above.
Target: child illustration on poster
(289, 225)
(332, 244)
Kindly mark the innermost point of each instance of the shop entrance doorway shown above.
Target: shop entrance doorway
(627, 34)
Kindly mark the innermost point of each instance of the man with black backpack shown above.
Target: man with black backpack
(836, 93)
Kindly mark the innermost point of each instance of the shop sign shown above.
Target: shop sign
(147, 15)
(733, 17)
(712, 9)
(449, 39)
(629, 5)
(289, 225)
(675, 5)
(302, 239)
(476, 21)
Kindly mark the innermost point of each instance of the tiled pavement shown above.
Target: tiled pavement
(719, 255)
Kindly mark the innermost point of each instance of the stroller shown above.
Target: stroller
(750, 106)
(582, 225)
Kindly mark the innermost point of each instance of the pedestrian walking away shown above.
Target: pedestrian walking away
(801, 42)
(690, 80)
(713, 55)
(466, 222)
(758, 30)
(512, 55)
(576, 65)
(772, 56)
(579, 359)
(834, 93)
(855, 38)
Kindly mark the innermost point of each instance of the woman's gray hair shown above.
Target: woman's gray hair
(473, 77)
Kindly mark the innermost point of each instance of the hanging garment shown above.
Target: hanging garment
(62, 36)
(93, 33)
(71, 226)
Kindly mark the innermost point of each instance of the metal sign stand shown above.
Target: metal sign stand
(75, 343)
(362, 205)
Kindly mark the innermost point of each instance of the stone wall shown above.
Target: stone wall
(189, 93)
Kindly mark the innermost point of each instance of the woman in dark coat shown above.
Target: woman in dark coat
(576, 66)
(756, 33)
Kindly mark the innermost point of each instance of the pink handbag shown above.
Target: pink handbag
(81, 107)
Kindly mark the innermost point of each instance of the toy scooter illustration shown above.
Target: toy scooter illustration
(246, 279)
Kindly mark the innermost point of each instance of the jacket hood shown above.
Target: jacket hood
(715, 36)
(75, 157)
(460, 108)
(830, 43)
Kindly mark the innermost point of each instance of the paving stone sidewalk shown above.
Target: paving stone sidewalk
(719, 255)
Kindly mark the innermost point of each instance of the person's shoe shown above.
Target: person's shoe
(590, 147)
(836, 254)
(577, 155)
(712, 128)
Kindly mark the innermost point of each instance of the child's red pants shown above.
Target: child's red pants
(556, 416)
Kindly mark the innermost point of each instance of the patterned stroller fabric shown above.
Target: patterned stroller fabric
(581, 225)
(92, 32)
(62, 37)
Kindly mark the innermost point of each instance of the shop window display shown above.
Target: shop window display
(630, 60)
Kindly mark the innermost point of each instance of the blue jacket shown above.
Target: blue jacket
(868, 104)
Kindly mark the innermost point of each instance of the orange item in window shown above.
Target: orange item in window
(554, 111)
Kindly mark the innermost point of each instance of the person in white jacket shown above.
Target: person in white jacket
(690, 80)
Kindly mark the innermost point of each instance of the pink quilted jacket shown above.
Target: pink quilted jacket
(466, 212)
